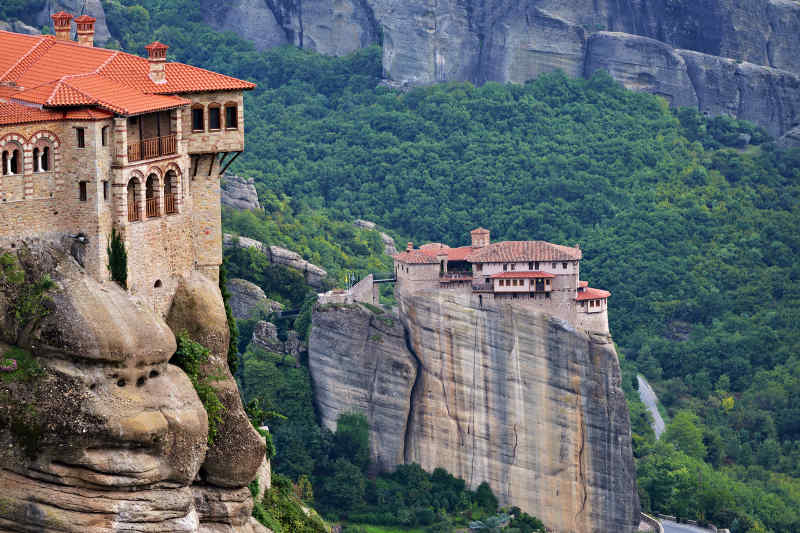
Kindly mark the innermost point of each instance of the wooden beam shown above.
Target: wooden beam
(229, 162)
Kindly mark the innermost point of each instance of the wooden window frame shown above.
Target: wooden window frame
(83, 191)
(212, 108)
(202, 111)
(235, 107)
(80, 137)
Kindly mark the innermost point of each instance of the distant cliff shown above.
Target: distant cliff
(513, 397)
(740, 58)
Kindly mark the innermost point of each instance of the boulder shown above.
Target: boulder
(239, 193)
(365, 224)
(246, 298)
(237, 451)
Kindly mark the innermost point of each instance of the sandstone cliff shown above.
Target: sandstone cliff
(504, 40)
(109, 436)
(239, 193)
(516, 398)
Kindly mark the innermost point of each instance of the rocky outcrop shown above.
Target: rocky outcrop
(640, 43)
(109, 436)
(313, 274)
(265, 335)
(17, 26)
(642, 64)
(93, 8)
(513, 397)
(359, 362)
(239, 193)
(246, 298)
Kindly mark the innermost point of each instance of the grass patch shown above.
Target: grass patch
(386, 529)
(26, 366)
(374, 308)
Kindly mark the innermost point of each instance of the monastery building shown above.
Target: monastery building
(534, 274)
(94, 140)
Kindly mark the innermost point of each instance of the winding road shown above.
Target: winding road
(650, 401)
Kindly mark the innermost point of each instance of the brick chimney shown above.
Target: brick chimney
(410, 247)
(61, 24)
(157, 56)
(85, 25)
(480, 237)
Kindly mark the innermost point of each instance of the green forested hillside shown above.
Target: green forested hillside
(693, 229)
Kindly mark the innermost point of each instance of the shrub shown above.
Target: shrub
(117, 259)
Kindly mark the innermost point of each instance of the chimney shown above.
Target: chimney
(410, 247)
(157, 56)
(61, 24)
(85, 25)
(480, 237)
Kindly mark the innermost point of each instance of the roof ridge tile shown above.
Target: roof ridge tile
(26, 55)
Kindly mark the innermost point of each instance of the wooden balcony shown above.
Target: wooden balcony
(153, 209)
(134, 214)
(152, 148)
(170, 206)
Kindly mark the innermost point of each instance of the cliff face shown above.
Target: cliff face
(109, 436)
(512, 397)
(505, 40)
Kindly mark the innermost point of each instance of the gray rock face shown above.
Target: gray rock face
(251, 19)
(512, 397)
(17, 26)
(94, 8)
(767, 96)
(247, 297)
(359, 362)
(642, 64)
(265, 335)
(239, 193)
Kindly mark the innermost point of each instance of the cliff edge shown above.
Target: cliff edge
(513, 397)
(98, 431)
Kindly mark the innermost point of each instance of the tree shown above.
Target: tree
(685, 432)
(351, 441)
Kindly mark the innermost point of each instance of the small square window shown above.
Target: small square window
(513, 266)
(564, 265)
(83, 193)
(536, 265)
(553, 265)
(505, 267)
(80, 134)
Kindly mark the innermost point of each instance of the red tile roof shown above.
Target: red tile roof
(592, 294)
(453, 254)
(11, 113)
(55, 73)
(523, 275)
(415, 257)
(510, 251)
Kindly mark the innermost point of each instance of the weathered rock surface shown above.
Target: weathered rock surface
(94, 8)
(246, 298)
(17, 26)
(505, 40)
(110, 437)
(277, 255)
(239, 193)
(388, 242)
(642, 64)
(359, 362)
(516, 398)
(237, 452)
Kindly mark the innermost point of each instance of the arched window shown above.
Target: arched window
(14, 165)
(231, 116)
(170, 192)
(198, 119)
(157, 284)
(152, 200)
(36, 160)
(134, 212)
(214, 117)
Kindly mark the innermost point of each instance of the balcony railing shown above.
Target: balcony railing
(152, 148)
(153, 207)
(134, 214)
(169, 204)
